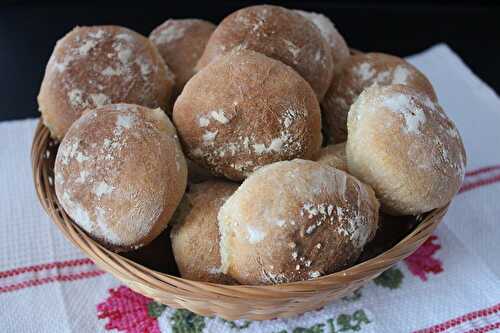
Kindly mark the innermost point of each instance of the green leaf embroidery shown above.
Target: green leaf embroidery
(331, 325)
(347, 322)
(391, 278)
(318, 328)
(184, 321)
(343, 323)
(239, 324)
(155, 309)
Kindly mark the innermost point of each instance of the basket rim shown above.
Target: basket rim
(121, 267)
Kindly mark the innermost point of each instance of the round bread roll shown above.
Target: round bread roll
(181, 44)
(402, 144)
(279, 33)
(334, 156)
(295, 220)
(340, 50)
(195, 232)
(359, 72)
(95, 66)
(246, 110)
(120, 174)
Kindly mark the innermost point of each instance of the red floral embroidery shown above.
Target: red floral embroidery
(128, 311)
(421, 262)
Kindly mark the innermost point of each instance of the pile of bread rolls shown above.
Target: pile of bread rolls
(262, 142)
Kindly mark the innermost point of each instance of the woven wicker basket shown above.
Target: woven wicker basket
(229, 302)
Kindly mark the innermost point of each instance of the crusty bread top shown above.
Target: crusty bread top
(340, 50)
(181, 43)
(246, 110)
(360, 71)
(120, 173)
(195, 231)
(403, 145)
(295, 220)
(99, 65)
(279, 33)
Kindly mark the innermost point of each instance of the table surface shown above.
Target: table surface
(29, 30)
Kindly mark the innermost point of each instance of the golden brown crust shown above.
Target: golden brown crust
(340, 50)
(195, 232)
(359, 72)
(120, 174)
(279, 33)
(181, 44)
(403, 145)
(95, 66)
(246, 110)
(334, 156)
(295, 220)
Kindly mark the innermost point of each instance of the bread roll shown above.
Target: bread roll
(195, 232)
(402, 144)
(334, 156)
(295, 220)
(95, 66)
(340, 50)
(279, 33)
(181, 44)
(120, 174)
(359, 72)
(246, 110)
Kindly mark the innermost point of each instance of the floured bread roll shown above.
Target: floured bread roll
(340, 50)
(402, 144)
(120, 174)
(359, 72)
(195, 232)
(295, 220)
(334, 156)
(181, 44)
(95, 66)
(279, 33)
(246, 110)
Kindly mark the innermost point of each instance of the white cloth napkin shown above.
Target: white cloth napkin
(452, 283)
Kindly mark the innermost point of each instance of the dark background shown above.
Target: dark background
(29, 30)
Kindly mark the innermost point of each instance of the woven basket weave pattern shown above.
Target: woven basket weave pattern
(229, 302)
